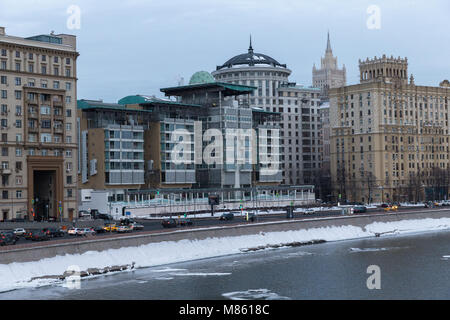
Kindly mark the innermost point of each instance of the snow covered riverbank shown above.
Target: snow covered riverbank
(19, 275)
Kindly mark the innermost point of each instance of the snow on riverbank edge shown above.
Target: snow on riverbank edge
(18, 275)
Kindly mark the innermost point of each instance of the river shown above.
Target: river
(411, 267)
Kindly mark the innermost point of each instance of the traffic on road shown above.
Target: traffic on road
(23, 236)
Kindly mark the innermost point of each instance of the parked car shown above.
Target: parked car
(7, 238)
(391, 208)
(85, 231)
(19, 232)
(39, 235)
(53, 232)
(99, 229)
(137, 226)
(359, 209)
(227, 216)
(28, 234)
(169, 223)
(384, 205)
(446, 203)
(308, 211)
(110, 227)
(72, 231)
(185, 222)
(124, 229)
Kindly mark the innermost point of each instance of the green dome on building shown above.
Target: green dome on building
(201, 77)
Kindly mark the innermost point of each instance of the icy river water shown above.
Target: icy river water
(411, 267)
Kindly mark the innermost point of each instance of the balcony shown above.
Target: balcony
(5, 171)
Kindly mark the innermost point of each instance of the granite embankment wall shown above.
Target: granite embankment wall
(100, 244)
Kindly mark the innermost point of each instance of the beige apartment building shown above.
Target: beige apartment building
(389, 136)
(38, 143)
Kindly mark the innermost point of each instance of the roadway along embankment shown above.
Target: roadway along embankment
(48, 250)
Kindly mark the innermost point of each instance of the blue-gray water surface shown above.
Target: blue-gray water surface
(411, 267)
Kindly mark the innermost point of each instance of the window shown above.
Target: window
(67, 72)
(46, 137)
(18, 94)
(4, 94)
(3, 65)
(45, 110)
(69, 179)
(4, 194)
(46, 124)
(18, 123)
(44, 69)
(68, 153)
(69, 193)
(18, 137)
(18, 152)
(18, 81)
(19, 194)
(31, 67)
(68, 113)
(55, 84)
(68, 86)
(19, 180)
(4, 151)
(3, 80)
(18, 165)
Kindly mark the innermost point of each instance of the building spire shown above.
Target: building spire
(250, 48)
(328, 43)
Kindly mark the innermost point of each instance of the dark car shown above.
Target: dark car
(359, 209)
(169, 223)
(99, 229)
(227, 216)
(28, 234)
(384, 205)
(7, 238)
(53, 232)
(185, 222)
(40, 235)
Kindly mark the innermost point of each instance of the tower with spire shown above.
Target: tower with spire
(329, 75)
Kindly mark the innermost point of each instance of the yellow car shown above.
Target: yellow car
(110, 227)
(391, 208)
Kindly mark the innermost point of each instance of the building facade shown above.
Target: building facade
(38, 93)
(296, 104)
(390, 137)
(328, 76)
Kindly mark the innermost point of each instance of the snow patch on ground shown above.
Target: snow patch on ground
(18, 275)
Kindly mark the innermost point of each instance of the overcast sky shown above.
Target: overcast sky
(139, 46)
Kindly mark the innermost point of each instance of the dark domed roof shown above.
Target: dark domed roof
(251, 59)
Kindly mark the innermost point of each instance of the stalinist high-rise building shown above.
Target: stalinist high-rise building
(329, 75)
